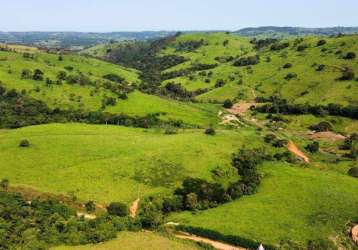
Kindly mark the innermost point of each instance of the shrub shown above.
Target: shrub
(353, 172)
(26, 74)
(61, 75)
(320, 67)
(290, 76)
(117, 209)
(4, 184)
(114, 78)
(219, 83)
(246, 61)
(302, 47)
(24, 143)
(322, 127)
(210, 131)
(347, 74)
(227, 104)
(90, 206)
(287, 66)
(321, 42)
(279, 46)
(313, 147)
(38, 75)
(350, 56)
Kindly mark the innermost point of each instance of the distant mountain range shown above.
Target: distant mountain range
(80, 40)
(273, 31)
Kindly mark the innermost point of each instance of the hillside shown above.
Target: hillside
(72, 82)
(237, 140)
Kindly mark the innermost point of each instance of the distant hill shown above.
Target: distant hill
(280, 32)
(76, 39)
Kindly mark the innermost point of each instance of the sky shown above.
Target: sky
(139, 15)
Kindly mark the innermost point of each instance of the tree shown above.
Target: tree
(90, 206)
(353, 172)
(350, 56)
(4, 184)
(321, 42)
(191, 201)
(227, 104)
(38, 75)
(61, 75)
(313, 147)
(210, 131)
(24, 143)
(26, 74)
(347, 74)
(287, 66)
(321, 127)
(118, 209)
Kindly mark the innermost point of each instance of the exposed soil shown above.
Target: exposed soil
(328, 136)
(295, 150)
(134, 208)
(215, 244)
(241, 108)
(87, 216)
(355, 234)
(226, 119)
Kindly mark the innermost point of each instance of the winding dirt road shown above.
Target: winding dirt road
(134, 208)
(355, 234)
(295, 150)
(216, 244)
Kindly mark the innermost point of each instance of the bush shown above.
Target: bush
(24, 144)
(290, 76)
(210, 131)
(38, 75)
(279, 46)
(321, 67)
(246, 61)
(4, 184)
(321, 127)
(302, 47)
(350, 56)
(228, 104)
(321, 42)
(219, 83)
(353, 172)
(287, 66)
(90, 206)
(347, 74)
(313, 147)
(117, 209)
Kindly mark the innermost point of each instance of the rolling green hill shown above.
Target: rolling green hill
(266, 78)
(108, 163)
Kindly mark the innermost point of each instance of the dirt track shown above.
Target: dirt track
(215, 244)
(295, 150)
(134, 208)
(327, 135)
(355, 234)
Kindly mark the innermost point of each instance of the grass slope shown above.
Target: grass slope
(108, 163)
(137, 241)
(75, 96)
(267, 78)
(292, 203)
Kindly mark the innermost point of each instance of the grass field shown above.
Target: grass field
(268, 77)
(137, 241)
(297, 204)
(108, 163)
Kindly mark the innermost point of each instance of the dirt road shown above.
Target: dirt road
(355, 234)
(295, 150)
(215, 244)
(134, 208)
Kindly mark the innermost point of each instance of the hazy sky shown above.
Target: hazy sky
(124, 15)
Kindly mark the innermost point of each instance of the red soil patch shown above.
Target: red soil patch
(295, 150)
(355, 234)
(215, 244)
(327, 135)
(134, 208)
(241, 108)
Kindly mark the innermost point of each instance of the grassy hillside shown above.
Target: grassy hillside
(293, 204)
(268, 76)
(89, 97)
(136, 241)
(108, 163)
